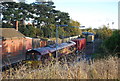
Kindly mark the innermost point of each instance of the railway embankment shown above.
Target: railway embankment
(99, 69)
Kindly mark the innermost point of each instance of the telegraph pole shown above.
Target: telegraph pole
(56, 40)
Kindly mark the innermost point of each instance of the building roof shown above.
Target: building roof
(10, 33)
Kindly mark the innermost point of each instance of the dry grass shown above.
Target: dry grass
(99, 69)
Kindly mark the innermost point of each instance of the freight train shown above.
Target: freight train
(36, 50)
(16, 47)
(45, 53)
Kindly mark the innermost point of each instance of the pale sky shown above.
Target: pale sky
(90, 13)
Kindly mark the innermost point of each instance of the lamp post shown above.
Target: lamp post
(58, 36)
(56, 40)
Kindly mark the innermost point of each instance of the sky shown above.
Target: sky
(90, 13)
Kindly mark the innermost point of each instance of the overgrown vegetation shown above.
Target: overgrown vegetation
(97, 69)
(104, 32)
(113, 42)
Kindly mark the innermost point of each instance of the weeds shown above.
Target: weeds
(99, 69)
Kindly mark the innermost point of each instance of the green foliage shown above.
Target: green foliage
(23, 30)
(61, 32)
(8, 25)
(44, 18)
(74, 30)
(89, 30)
(104, 32)
(74, 23)
(31, 31)
(47, 32)
(113, 42)
(39, 32)
(15, 11)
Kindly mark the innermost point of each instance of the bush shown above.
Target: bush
(113, 42)
(104, 32)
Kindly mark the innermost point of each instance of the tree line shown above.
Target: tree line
(43, 17)
(110, 38)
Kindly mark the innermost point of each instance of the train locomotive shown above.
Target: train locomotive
(89, 36)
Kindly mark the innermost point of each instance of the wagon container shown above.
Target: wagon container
(35, 42)
(28, 43)
(80, 43)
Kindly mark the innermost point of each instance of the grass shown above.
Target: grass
(98, 69)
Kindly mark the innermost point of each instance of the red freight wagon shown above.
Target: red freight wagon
(13, 47)
(35, 42)
(28, 43)
(80, 43)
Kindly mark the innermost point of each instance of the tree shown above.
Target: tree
(23, 30)
(74, 30)
(44, 18)
(90, 30)
(8, 25)
(43, 13)
(39, 32)
(62, 17)
(113, 42)
(15, 12)
(104, 32)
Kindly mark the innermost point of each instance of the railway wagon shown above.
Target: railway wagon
(14, 45)
(66, 39)
(80, 43)
(90, 38)
(28, 43)
(45, 53)
(31, 43)
(15, 52)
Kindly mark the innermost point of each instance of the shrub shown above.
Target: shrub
(113, 42)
